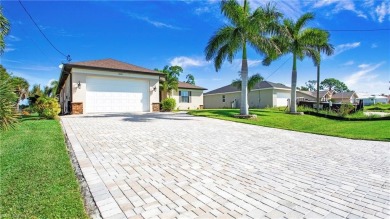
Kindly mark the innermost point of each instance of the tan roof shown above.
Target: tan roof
(190, 86)
(112, 64)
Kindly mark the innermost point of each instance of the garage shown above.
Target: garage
(110, 94)
(281, 98)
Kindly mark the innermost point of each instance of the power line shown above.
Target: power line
(66, 56)
(278, 67)
(360, 30)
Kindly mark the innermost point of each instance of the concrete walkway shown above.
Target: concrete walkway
(174, 165)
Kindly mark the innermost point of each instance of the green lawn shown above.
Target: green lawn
(37, 179)
(378, 108)
(371, 130)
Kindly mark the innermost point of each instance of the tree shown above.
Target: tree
(4, 30)
(245, 28)
(252, 81)
(21, 89)
(171, 81)
(54, 87)
(311, 85)
(190, 79)
(8, 98)
(35, 93)
(334, 84)
(302, 42)
(303, 88)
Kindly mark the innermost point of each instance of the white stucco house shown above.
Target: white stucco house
(111, 86)
(372, 99)
(264, 94)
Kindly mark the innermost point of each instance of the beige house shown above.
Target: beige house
(264, 94)
(111, 86)
(312, 95)
(188, 96)
(345, 97)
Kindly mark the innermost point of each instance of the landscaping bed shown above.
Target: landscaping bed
(367, 129)
(37, 179)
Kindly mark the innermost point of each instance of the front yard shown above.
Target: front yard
(369, 130)
(37, 179)
(378, 108)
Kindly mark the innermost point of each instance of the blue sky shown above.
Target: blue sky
(157, 33)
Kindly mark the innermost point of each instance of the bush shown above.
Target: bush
(346, 109)
(8, 99)
(47, 107)
(168, 104)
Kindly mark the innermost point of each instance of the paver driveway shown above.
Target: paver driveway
(175, 165)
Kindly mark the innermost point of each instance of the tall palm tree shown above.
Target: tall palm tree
(301, 42)
(4, 30)
(252, 81)
(246, 28)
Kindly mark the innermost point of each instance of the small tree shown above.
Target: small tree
(21, 89)
(190, 79)
(171, 81)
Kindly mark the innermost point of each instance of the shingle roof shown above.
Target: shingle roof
(260, 85)
(112, 64)
(343, 95)
(314, 93)
(190, 86)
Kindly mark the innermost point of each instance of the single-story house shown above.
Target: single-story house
(372, 99)
(188, 96)
(109, 85)
(325, 95)
(264, 94)
(345, 97)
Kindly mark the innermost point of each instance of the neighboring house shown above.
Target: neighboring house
(312, 95)
(264, 94)
(108, 85)
(188, 96)
(345, 97)
(372, 99)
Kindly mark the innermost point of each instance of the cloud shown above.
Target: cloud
(290, 9)
(13, 38)
(340, 5)
(348, 63)
(184, 61)
(374, 45)
(9, 49)
(38, 68)
(362, 75)
(202, 10)
(382, 11)
(155, 23)
(345, 47)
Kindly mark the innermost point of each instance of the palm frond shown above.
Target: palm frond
(237, 83)
(302, 21)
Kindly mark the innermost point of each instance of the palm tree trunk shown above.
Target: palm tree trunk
(293, 101)
(244, 86)
(318, 87)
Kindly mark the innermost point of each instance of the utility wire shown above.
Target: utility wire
(66, 56)
(278, 67)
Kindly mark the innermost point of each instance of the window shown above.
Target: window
(184, 96)
(223, 98)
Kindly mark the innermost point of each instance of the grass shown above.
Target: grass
(378, 108)
(37, 179)
(369, 130)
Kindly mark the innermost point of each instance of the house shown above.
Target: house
(372, 99)
(188, 96)
(325, 95)
(345, 97)
(109, 85)
(264, 94)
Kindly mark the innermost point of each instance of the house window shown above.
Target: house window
(223, 98)
(184, 96)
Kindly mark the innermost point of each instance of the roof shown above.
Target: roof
(314, 93)
(261, 85)
(111, 64)
(190, 86)
(343, 95)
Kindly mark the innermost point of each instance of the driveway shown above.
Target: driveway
(162, 165)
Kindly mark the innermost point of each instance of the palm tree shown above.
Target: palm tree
(190, 79)
(301, 42)
(171, 81)
(252, 81)
(246, 28)
(21, 89)
(54, 87)
(4, 30)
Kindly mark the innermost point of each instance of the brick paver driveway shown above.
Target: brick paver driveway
(175, 165)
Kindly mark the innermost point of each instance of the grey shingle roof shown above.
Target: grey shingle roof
(260, 85)
(343, 95)
(314, 93)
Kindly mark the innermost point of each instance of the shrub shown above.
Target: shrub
(168, 104)
(47, 107)
(8, 99)
(346, 109)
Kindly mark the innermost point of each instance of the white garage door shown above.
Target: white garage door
(116, 95)
(281, 98)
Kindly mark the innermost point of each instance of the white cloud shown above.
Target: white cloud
(382, 11)
(340, 5)
(9, 49)
(365, 78)
(344, 47)
(155, 23)
(348, 63)
(184, 61)
(202, 10)
(374, 45)
(13, 38)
